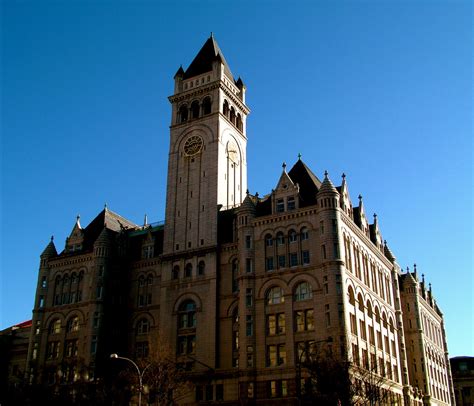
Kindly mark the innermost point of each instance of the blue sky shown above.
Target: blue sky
(380, 90)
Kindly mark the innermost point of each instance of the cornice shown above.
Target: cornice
(59, 262)
(273, 218)
(368, 243)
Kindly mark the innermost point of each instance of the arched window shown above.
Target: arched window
(390, 323)
(201, 268)
(304, 234)
(268, 240)
(143, 326)
(55, 327)
(292, 236)
(369, 309)
(351, 296)
(149, 280)
(188, 270)
(225, 108)
(175, 272)
(275, 296)
(141, 281)
(303, 291)
(232, 115)
(183, 113)
(195, 109)
(377, 315)
(72, 324)
(187, 328)
(361, 302)
(239, 122)
(280, 238)
(206, 106)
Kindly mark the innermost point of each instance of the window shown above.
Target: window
(235, 270)
(275, 296)
(276, 324)
(323, 251)
(276, 355)
(280, 238)
(304, 234)
(52, 350)
(248, 297)
(249, 325)
(304, 320)
(143, 326)
(187, 328)
(188, 270)
(71, 348)
(248, 241)
(290, 203)
(183, 114)
(303, 291)
(321, 227)
(206, 106)
(280, 206)
(305, 257)
(55, 327)
(293, 259)
(269, 264)
(268, 240)
(201, 268)
(73, 324)
(292, 236)
(43, 282)
(248, 265)
(281, 261)
(175, 272)
(195, 109)
(334, 225)
(142, 349)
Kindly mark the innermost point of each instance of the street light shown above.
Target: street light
(298, 371)
(140, 374)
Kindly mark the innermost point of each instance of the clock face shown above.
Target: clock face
(193, 145)
(232, 152)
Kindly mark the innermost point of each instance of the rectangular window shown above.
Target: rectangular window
(249, 297)
(293, 259)
(321, 226)
(323, 251)
(304, 320)
(336, 250)
(248, 241)
(280, 206)
(249, 325)
(219, 392)
(250, 390)
(43, 282)
(272, 355)
(41, 301)
(271, 324)
(94, 345)
(281, 323)
(334, 225)
(273, 389)
(281, 261)
(248, 265)
(269, 263)
(353, 324)
(281, 354)
(305, 257)
(290, 203)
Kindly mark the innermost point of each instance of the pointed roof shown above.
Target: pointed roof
(327, 186)
(248, 204)
(50, 250)
(388, 253)
(202, 63)
(308, 182)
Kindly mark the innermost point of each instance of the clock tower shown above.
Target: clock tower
(207, 167)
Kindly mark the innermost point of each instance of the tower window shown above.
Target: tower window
(291, 205)
(225, 108)
(183, 114)
(201, 268)
(206, 106)
(188, 270)
(195, 109)
(280, 205)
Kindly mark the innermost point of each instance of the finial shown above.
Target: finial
(105, 206)
(375, 216)
(256, 195)
(343, 176)
(360, 197)
(299, 156)
(212, 34)
(78, 217)
(414, 268)
(326, 174)
(408, 269)
(247, 192)
(423, 277)
(52, 238)
(430, 286)
(283, 165)
(145, 221)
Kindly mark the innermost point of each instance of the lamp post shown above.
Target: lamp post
(298, 371)
(139, 372)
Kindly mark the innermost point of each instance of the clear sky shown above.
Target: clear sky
(380, 90)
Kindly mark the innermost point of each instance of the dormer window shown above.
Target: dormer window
(280, 206)
(290, 203)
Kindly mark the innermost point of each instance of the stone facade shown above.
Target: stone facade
(239, 286)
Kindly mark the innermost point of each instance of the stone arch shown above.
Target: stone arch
(188, 296)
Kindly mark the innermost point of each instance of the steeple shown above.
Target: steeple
(202, 63)
(50, 250)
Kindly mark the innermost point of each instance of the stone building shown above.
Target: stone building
(463, 380)
(242, 287)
